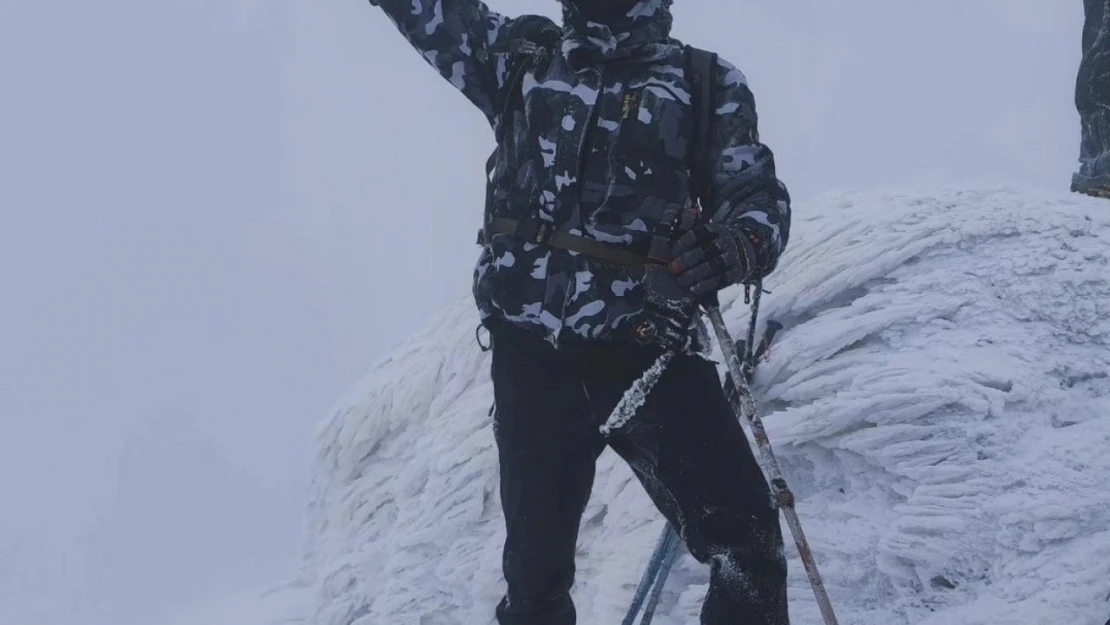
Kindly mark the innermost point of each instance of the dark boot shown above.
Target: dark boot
(1092, 99)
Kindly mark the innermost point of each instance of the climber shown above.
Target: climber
(593, 264)
(1092, 98)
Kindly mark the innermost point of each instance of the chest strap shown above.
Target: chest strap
(541, 233)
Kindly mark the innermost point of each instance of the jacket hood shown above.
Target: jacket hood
(647, 22)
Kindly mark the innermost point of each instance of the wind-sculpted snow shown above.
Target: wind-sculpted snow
(939, 399)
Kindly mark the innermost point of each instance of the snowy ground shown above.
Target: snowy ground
(939, 399)
(285, 604)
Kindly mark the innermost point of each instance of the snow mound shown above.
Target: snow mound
(283, 604)
(939, 399)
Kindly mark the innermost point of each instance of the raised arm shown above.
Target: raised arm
(461, 39)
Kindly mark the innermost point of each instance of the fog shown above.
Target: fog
(214, 217)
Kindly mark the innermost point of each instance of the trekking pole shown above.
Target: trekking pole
(661, 578)
(784, 498)
(667, 544)
(655, 578)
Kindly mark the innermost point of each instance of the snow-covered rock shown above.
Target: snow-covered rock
(939, 400)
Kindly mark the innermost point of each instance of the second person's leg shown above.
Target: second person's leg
(1092, 99)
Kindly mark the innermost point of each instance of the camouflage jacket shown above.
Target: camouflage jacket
(597, 148)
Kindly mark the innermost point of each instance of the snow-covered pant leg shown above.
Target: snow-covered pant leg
(1092, 99)
(548, 444)
(694, 459)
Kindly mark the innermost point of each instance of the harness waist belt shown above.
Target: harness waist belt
(541, 233)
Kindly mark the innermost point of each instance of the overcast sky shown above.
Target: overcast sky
(216, 214)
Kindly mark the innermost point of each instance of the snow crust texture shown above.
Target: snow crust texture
(939, 400)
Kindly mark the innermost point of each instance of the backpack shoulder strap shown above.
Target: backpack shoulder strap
(530, 50)
(701, 73)
(530, 46)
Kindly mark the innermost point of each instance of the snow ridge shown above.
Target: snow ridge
(939, 400)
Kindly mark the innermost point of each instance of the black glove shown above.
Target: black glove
(711, 257)
(669, 311)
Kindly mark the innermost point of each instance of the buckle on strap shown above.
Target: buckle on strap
(535, 231)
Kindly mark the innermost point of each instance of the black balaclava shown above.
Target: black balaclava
(606, 12)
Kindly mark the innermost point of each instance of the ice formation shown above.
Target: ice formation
(939, 399)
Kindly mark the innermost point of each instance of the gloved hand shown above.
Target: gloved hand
(669, 311)
(711, 257)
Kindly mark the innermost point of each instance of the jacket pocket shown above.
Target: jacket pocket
(655, 132)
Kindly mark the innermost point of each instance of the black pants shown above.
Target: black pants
(685, 446)
(1092, 99)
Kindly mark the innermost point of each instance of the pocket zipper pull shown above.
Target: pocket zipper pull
(628, 104)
